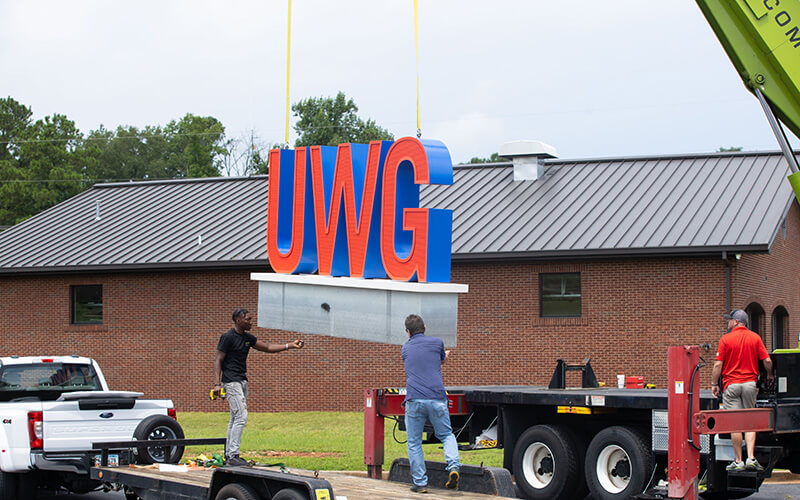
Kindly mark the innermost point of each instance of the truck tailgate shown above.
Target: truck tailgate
(74, 425)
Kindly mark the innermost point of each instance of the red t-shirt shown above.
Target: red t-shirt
(740, 351)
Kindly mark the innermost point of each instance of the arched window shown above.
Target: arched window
(780, 323)
(755, 313)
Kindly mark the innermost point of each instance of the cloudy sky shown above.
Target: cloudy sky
(591, 78)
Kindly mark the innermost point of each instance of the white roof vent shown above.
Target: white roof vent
(527, 157)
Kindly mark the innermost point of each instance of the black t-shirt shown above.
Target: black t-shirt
(236, 346)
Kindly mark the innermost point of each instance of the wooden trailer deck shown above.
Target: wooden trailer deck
(346, 485)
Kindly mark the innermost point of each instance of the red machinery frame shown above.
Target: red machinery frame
(381, 403)
(686, 424)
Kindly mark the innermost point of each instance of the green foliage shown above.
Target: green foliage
(730, 149)
(329, 121)
(45, 162)
(191, 147)
(494, 158)
(312, 440)
(39, 163)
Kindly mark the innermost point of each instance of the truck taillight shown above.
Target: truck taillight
(36, 430)
(171, 412)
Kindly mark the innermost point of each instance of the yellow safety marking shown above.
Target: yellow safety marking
(323, 494)
(580, 410)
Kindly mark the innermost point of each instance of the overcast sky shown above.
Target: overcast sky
(592, 78)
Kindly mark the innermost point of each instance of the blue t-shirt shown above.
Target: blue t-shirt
(423, 358)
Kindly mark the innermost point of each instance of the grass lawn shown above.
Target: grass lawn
(312, 440)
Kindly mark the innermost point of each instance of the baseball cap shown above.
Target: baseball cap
(738, 315)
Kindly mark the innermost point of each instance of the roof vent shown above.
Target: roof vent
(527, 157)
(97, 210)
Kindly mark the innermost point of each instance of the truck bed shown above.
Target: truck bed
(609, 397)
(353, 485)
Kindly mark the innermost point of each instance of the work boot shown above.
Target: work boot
(735, 466)
(752, 464)
(235, 460)
(452, 480)
(419, 489)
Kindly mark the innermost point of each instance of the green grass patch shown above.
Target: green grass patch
(312, 440)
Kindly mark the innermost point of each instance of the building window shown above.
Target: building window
(780, 318)
(86, 304)
(560, 295)
(755, 314)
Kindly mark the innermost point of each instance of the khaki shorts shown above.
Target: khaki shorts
(740, 396)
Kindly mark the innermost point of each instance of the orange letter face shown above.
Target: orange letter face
(291, 245)
(345, 181)
(413, 246)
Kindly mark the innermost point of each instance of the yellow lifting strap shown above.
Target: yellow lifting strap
(416, 46)
(288, 54)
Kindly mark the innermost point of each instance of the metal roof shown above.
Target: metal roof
(145, 225)
(665, 205)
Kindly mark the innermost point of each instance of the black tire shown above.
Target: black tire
(158, 427)
(131, 495)
(289, 494)
(236, 491)
(546, 463)
(8, 486)
(27, 486)
(618, 463)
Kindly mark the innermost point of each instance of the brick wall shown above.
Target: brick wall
(160, 329)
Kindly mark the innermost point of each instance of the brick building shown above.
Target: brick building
(613, 259)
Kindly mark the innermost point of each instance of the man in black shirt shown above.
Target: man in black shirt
(230, 372)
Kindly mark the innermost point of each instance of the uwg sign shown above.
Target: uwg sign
(353, 210)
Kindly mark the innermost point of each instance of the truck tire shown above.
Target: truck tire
(618, 463)
(546, 463)
(289, 494)
(236, 491)
(158, 427)
(8, 486)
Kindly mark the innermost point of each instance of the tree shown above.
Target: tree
(193, 146)
(731, 149)
(494, 158)
(39, 163)
(329, 121)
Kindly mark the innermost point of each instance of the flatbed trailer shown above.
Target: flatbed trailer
(150, 483)
(564, 442)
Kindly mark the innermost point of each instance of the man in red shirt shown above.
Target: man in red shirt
(737, 359)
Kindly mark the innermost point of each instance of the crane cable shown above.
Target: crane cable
(416, 47)
(288, 54)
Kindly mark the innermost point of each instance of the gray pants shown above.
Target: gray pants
(237, 399)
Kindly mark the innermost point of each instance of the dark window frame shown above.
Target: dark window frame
(73, 316)
(542, 296)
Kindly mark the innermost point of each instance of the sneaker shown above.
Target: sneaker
(452, 480)
(419, 489)
(735, 466)
(235, 460)
(752, 464)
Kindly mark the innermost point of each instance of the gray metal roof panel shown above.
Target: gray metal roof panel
(665, 205)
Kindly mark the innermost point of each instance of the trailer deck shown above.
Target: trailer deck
(609, 397)
(196, 484)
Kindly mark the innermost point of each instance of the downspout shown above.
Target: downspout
(728, 298)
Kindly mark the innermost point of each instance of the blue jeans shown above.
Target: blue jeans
(418, 411)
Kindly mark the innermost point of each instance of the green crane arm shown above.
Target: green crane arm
(762, 39)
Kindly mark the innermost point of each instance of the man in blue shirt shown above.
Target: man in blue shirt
(426, 399)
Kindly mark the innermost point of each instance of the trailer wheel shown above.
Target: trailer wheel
(8, 486)
(158, 427)
(236, 491)
(546, 463)
(289, 494)
(618, 463)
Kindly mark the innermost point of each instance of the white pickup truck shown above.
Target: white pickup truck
(53, 408)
